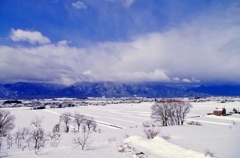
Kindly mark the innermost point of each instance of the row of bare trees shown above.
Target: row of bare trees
(36, 137)
(82, 122)
(33, 138)
(85, 125)
(170, 111)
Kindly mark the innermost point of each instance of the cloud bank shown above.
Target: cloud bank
(205, 50)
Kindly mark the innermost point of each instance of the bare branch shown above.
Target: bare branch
(82, 140)
(6, 122)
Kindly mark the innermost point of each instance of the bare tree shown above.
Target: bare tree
(82, 140)
(160, 111)
(186, 108)
(208, 153)
(25, 132)
(36, 122)
(79, 120)
(151, 133)
(18, 138)
(170, 111)
(54, 136)
(9, 140)
(37, 135)
(38, 139)
(6, 122)
(55, 132)
(178, 112)
(56, 128)
(90, 123)
(66, 118)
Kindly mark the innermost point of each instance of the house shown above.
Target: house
(219, 112)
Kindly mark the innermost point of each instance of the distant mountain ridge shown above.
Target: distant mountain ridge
(219, 90)
(23, 90)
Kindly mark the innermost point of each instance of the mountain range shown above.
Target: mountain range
(24, 90)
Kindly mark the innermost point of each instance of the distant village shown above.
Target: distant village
(102, 101)
(71, 102)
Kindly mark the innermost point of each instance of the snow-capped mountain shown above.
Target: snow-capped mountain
(111, 89)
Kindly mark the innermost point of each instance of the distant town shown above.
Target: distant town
(99, 101)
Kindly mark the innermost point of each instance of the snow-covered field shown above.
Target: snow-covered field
(217, 133)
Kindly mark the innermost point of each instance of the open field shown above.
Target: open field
(217, 133)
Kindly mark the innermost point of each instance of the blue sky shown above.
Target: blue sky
(67, 41)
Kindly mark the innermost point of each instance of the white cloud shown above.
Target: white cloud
(63, 43)
(156, 75)
(186, 80)
(175, 79)
(79, 5)
(195, 80)
(32, 37)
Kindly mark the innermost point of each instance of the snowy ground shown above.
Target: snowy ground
(217, 133)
